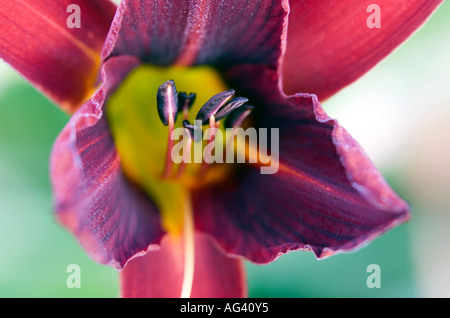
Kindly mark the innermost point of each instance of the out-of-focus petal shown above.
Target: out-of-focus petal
(326, 196)
(329, 43)
(159, 273)
(112, 219)
(220, 33)
(61, 62)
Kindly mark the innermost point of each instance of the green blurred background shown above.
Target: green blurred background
(399, 112)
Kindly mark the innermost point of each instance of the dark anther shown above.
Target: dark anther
(229, 107)
(237, 116)
(213, 105)
(167, 102)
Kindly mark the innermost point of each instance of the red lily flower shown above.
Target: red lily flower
(189, 235)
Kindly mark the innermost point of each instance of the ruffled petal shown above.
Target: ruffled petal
(330, 44)
(220, 33)
(61, 62)
(326, 195)
(159, 273)
(112, 218)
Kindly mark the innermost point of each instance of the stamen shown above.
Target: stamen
(167, 102)
(218, 107)
(185, 103)
(235, 120)
(169, 162)
(212, 126)
(213, 105)
(237, 116)
(186, 155)
(196, 131)
(230, 106)
(212, 138)
(189, 248)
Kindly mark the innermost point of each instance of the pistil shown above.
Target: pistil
(189, 248)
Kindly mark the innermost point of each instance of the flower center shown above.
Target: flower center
(168, 124)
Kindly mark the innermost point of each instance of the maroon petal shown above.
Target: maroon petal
(326, 196)
(112, 219)
(159, 273)
(60, 61)
(329, 43)
(219, 32)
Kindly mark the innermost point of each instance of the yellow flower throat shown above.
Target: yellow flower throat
(142, 140)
